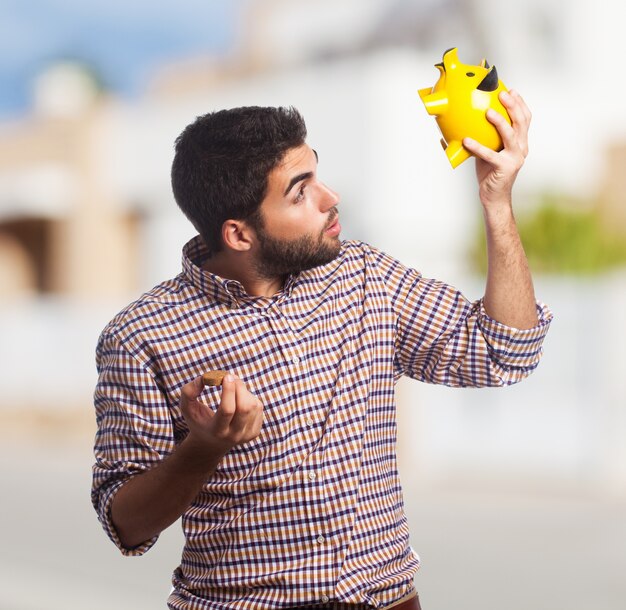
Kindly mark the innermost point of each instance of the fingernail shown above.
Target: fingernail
(229, 378)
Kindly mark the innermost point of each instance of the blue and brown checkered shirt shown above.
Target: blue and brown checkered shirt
(311, 510)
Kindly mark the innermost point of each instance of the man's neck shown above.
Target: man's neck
(239, 268)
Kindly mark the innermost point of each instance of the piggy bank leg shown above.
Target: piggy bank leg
(456, 153)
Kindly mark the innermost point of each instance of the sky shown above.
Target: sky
(123, 40)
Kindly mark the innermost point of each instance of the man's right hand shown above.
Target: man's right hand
(148, 503)
(238, 418)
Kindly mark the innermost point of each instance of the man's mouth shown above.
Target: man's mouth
(333, 227)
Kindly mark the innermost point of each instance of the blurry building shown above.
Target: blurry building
(62, 231)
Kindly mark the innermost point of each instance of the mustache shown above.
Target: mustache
(333, 215)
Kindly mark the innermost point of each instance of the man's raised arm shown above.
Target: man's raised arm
(509, 294)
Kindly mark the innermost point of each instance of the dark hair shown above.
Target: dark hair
(223, 160)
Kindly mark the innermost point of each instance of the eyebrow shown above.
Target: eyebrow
(297, 179)
(300, 177)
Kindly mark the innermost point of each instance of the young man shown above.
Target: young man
(285, 476)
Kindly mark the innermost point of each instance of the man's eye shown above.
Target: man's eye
(300, 196)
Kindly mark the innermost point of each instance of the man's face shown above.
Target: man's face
(297, 225)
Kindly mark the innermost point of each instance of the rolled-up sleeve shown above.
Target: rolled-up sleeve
(517, 352)
(482, 352)
(135, 429)
(443, 338)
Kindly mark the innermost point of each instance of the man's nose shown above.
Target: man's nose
(329, 198)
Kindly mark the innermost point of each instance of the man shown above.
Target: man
(285, 476)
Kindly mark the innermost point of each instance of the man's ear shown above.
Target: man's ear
(237, 235)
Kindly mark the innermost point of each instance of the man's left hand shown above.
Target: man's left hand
(496, 171)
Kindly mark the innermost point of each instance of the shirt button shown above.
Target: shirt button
(309, 421)
(312, 476)
(320, 539)
(325, 599)
(295, 360)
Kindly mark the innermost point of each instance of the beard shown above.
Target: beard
(281, 257)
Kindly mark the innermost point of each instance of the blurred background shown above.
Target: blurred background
(516, 497)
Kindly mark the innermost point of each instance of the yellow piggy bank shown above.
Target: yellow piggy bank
(459, 101)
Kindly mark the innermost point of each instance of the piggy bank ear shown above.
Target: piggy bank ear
(490, 82)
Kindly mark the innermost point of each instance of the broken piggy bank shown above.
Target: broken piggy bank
(459, 101)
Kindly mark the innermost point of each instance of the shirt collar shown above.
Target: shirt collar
(229, 292)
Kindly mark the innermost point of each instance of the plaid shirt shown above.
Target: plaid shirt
(311, 510)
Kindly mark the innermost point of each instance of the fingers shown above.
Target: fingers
(516, 106)
(510, 137)
(238, 418)
(514, 135)
(192, 390)
(190, 406)
(240, 413)
(249, 414)
(480, 151)
(228, 404)
(194, 411)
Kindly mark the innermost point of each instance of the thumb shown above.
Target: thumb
(190, 406)
(191, 390)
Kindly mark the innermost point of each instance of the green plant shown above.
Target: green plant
(561, 236)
